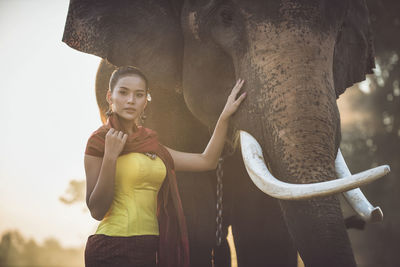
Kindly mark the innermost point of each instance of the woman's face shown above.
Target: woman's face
(128, 98)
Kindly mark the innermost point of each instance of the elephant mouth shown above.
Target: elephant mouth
(266, 182)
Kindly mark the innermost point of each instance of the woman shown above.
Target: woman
(131, 183)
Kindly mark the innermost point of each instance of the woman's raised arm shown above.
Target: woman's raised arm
(100, 174)
(208, 160)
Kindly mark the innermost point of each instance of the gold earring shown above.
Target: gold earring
(142, 117)
(109, 111)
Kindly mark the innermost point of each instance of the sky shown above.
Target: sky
(48, 111)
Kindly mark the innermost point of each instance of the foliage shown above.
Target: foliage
(17, 251)
(75, 192)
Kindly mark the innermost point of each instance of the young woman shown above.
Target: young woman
(131, 184)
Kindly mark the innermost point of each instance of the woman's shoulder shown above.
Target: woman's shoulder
(99, 132)
(96, 141)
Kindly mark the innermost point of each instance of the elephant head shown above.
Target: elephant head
(296, 57)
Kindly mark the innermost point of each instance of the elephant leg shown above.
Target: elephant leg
(259, 230)
(222, 255)
(198, 201)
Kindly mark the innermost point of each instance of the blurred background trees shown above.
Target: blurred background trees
(17, 251)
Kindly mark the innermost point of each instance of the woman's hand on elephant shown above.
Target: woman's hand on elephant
(232, 103)
(115, 142)
(208, 160)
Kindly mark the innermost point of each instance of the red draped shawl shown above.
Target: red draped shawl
(174, 245)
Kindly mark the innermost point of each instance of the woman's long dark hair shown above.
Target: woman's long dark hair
(123, 71)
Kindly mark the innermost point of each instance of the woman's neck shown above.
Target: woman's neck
(128, 126)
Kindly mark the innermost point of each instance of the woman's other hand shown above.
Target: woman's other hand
(115, 142)
(208, 160)
(232, 103)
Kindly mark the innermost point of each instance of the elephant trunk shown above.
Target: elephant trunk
(290, 92)
(292, 103)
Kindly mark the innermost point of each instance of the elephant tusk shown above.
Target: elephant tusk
(266, 182)
(355, 197)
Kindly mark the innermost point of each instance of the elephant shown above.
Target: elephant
(297, 58)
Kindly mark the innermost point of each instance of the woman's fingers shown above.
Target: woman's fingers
(118, 134)
(232, 103)
(115, 141)
(237, 87)
(240, 98)
(235, 105)
(124, 138)
(111, 131)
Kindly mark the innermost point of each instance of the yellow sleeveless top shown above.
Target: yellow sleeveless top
(138, 179)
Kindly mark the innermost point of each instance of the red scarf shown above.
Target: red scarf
(174, 245)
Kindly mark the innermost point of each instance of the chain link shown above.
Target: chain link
(228, 151)
(220, 174)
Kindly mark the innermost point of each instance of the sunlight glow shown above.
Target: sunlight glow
(48, 112)
(365, 86)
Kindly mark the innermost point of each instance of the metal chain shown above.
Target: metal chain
(220, 174)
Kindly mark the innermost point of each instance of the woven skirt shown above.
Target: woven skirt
(133, 251)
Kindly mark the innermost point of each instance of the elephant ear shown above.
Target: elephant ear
(146, 34)
(354, 52)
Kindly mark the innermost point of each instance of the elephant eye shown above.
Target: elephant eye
(226, 16)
